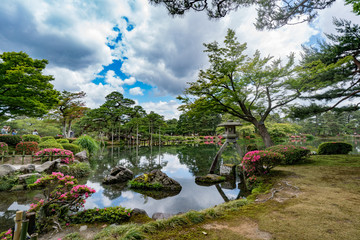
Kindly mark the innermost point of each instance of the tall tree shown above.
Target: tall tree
(271, 13)
(24, 90)
(331, 72)
(249, 88)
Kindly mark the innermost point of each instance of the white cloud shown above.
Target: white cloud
(167, 109)
(136, 91)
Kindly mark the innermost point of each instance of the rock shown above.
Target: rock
(158, 177)
(27, 169)
(209, 179)
(228, 170)
(48, 167)
(18, 188)
(6, 169)
(22, 178)
(83, 228)
(159, 215)
(81, 156)
(118, 174)
(138, 211)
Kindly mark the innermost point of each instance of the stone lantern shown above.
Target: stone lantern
(230, 137)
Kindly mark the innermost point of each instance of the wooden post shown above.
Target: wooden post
(32, 157)
(18, 219)
(31, 216)
(2, 157)
(24, 228)
(22, 158)
(13, 161)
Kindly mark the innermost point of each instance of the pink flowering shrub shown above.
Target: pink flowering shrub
(3, 148)
(62, 195)
(66, 156)
(258, 163)
(293, 154)
(7, 235)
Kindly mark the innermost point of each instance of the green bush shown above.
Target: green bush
(3, 148)
(293, 154)
(309, 137)
(109, 215)
(252, 147)
(258, 163)
(45, 138)
(27, 148)
(72, 147)
(78, 170)
(328, 148)
(51, 143)
(88, 143)
(11, 140)
(31, 138)
(62, 140)
(71, 140)
(7, 182)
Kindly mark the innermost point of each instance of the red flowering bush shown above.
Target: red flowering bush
(62, 195)
(293, 154)
(7, 235)
(258, 163)
(47, 154)
(3, 148)
(27, 147)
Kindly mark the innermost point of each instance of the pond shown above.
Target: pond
(181, 163)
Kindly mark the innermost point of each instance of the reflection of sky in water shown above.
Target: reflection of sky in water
(192, 196)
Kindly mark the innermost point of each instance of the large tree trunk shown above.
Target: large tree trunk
(264, 134)
(64, 128)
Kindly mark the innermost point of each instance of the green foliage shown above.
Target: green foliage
(356, 5)
(309, 137)
(6, 235)
(88, 143)
(24, 89)
(145, 185)
(24, 125)
(281, 130)
(72, 147)
(73, 236)
(293, 154)
(195, 217)
(11, 140)
(7, 182)
(109, 215)
(78, 170)
(45, 138)
(27, 147)
(51, 143)
(4, 148)
(31, 180)
(252, 147)
(62, 140)
(328, 148)
(31, 138)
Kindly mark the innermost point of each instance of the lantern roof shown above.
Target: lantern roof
(229, 123)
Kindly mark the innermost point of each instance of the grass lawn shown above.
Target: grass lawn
(319, 199)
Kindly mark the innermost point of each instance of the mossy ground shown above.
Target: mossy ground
(323, 204)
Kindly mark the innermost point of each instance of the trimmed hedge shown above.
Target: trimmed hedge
(51, 143)
(31, 138)
(27, 147)
(293, 154)
(62, 140)
(45, 138)
(328, 148)
(78, 170)
(11, 140)
(72, 147)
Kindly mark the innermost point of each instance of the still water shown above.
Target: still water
(181, 163)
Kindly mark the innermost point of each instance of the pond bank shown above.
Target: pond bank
(316, 200)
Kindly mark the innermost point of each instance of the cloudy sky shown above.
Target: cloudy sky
(136, 48)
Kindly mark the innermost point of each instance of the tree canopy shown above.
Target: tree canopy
(24, 90)
(249, 88)
(272, 14)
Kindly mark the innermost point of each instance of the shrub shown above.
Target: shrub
(293, 154)
(3, 147)
(260, 162)
(51, 143)
(62, 140)
(77, 170)
(45, 138)
(328, 148)
(7, 182)
(27, 147)
(11, 140)
(252, 147)
(309, 137)
(88, 143)
(7, 235)
(72, 147)
(44, 155)
(31, 138)
(71, 140)
(109, 215)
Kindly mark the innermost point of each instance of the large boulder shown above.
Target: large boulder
(81, 156)
(158, 179)
(118, 174)
(22, 178)
(6, 169)
(209, 179)
(27, 169)
(48, 167)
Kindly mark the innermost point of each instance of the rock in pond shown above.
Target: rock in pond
(209, 179)
(118, 174)
(48, 167)
(156, 180)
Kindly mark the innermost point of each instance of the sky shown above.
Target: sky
(136, 48)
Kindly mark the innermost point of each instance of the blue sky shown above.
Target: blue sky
(136, 48)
